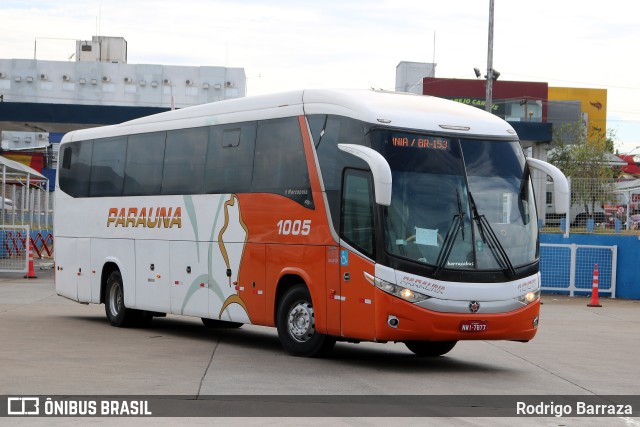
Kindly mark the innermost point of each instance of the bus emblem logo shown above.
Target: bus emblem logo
(474, 306)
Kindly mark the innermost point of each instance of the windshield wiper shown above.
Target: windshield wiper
(460, 213)
(456, 226)
(490, 238)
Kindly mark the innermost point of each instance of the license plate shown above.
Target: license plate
(474, 326)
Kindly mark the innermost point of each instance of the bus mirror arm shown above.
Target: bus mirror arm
(380, 170)
(560, 183)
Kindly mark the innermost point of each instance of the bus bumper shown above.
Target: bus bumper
(414, 323)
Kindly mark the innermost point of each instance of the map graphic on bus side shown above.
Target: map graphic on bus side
(225, 249)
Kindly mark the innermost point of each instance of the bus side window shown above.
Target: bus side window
(327, 133)
(107, 168)
(229, 162)
(76, 168)
(357, 211)
(184, 158)
(280, 165)
(143, 169)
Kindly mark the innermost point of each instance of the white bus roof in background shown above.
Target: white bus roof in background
(381, 108)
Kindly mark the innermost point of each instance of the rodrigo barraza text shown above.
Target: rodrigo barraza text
(575, 409)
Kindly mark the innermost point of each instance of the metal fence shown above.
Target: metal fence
(27, 206)
(569, 268)
(14, 254)
(598, 206)
(26, 215)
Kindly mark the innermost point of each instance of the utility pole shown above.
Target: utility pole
(489, 85)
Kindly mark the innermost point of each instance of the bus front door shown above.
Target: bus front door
(357, 313)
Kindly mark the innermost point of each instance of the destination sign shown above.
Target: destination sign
(426, 142)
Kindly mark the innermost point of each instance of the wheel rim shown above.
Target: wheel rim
(300, 321)
(115, 298)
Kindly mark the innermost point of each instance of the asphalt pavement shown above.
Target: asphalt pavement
(52, 346)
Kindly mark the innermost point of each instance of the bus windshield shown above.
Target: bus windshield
(458, 204)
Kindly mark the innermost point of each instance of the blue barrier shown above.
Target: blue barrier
(557, 277)
(628, 265)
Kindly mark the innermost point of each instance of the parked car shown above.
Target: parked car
(598, 218)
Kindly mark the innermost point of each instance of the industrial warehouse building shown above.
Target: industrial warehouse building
(40, 101)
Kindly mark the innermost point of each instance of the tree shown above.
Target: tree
(586, 162)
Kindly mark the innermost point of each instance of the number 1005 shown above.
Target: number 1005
(294, 227)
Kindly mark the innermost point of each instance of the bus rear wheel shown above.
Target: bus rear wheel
(430, 348)
(117, 313)
(296, 325)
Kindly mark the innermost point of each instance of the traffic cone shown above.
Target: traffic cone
(595, 301)
(31, 274)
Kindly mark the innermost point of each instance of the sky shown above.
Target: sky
(285, 45)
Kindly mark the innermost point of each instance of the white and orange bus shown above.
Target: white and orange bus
(329, 214)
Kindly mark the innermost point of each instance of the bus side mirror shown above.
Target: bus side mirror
(379, 169)
(560, 183)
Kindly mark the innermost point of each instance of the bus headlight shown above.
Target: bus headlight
(529, 297)
(400, 292)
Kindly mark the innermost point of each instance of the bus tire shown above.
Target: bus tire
(430, 348)
(117, 314)
(296, 325)
(215, 323)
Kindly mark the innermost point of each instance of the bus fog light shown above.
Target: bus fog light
(393, 321)
(535, 322)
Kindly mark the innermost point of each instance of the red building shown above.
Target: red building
(513, 101)
(523, 104)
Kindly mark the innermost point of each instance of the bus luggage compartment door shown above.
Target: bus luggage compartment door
(73, 279)
(152, 275)
(189, 279)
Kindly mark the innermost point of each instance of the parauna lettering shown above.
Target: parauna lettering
(162, 217)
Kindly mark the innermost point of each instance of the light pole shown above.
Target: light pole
(489, 85)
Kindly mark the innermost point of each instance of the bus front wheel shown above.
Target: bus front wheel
(430, 348)
(296, 325)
